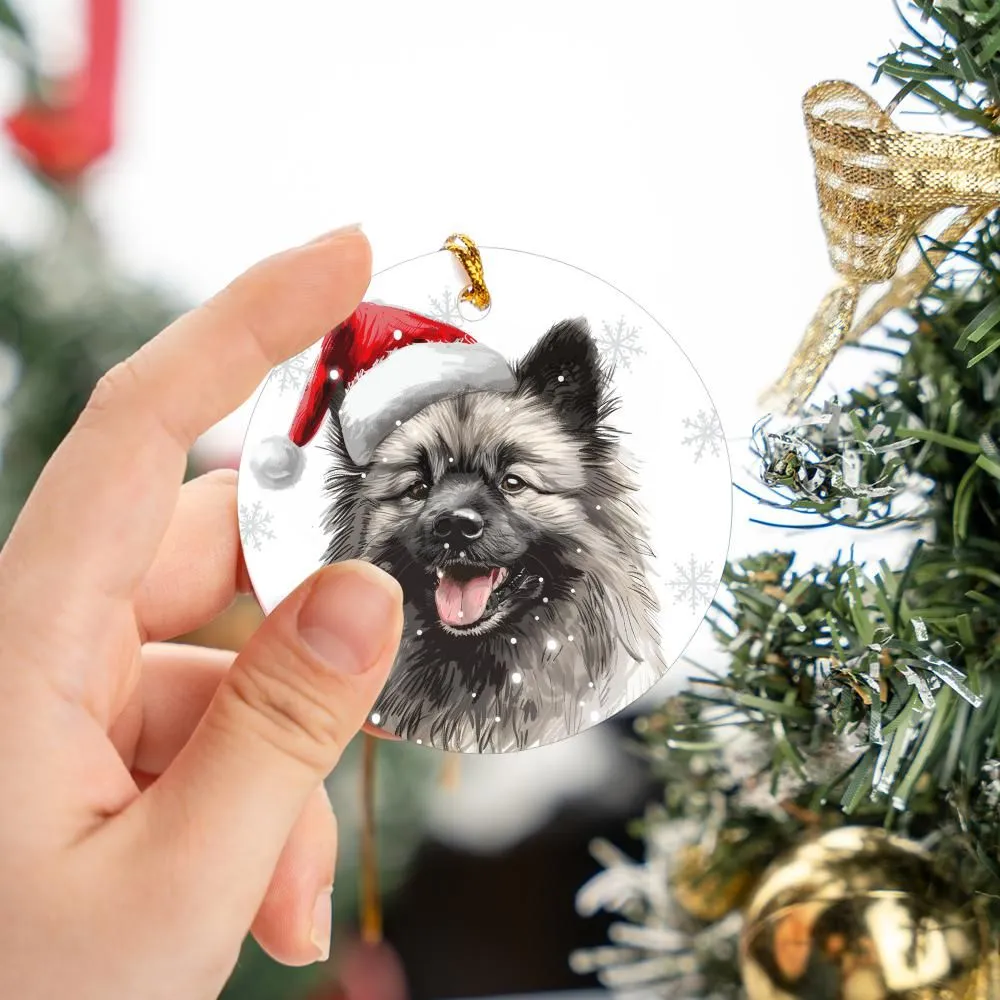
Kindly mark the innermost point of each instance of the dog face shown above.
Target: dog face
(477, 504)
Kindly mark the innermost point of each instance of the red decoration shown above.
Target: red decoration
(367, 972)
(370, 334)
(63, 140)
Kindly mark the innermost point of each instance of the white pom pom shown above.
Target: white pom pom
(277, 463)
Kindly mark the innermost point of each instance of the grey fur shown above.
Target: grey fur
(577, 515)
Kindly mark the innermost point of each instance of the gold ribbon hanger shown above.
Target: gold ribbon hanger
(878, 187)
(371, 903)
(465, 249)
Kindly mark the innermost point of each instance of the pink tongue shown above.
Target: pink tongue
(462, 602)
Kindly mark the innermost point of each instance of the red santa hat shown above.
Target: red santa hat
(393, 363)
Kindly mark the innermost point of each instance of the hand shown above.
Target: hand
(156, 801)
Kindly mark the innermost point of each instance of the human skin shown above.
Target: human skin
(160, 800)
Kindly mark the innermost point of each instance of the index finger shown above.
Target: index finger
(103, 502)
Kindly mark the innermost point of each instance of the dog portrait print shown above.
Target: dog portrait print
(499, 494)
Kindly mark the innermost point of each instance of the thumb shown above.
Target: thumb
(292, 701)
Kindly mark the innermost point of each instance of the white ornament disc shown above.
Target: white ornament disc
(548, 481)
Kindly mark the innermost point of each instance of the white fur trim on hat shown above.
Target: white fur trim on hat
(409, 379)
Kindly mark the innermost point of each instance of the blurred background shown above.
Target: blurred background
(153, 151)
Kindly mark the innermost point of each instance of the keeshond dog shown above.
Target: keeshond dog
(523, 628)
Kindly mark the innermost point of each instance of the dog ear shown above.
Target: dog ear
(564, 367)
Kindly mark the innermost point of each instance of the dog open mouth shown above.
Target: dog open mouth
(463, 592)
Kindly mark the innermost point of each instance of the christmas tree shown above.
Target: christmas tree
(857, 720)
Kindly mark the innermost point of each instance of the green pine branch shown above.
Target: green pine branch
(950, 60)
(871, 695)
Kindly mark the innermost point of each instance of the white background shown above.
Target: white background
(659, 145)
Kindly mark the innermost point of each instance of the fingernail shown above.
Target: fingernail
(322, 923)
(354, 227)
(347, 616)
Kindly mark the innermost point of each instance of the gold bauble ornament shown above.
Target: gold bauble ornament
(858, 914)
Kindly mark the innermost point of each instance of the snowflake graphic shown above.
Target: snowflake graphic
(291, 374)
(255, 525)
(445, 309)
(620, 344)
(705, 434)
(694, 583)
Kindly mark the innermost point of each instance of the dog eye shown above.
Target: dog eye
(512, 484)
(418, 491)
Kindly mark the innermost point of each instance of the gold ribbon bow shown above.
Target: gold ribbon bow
(878, 186)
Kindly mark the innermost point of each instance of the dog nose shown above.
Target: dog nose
(457, 525)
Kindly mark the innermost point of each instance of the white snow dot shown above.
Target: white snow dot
(515, 677)
(376, 718)
(364, 475)
(385, 458)
(447, 545)
(473, 694)
(591, 684)
(420, 631)
(399, 423)
(561, 378)
(496, 719)
(551, 644)
(541, 579)
(461, 614)
(334, 374)
(570, 638)
(582, 702)
(419, 742)
(598, 507)
(595, 716)
(506, 409)
(451, 459)
(461, 555)
(545, 600)
(572, 590)
(513, 641)
(397, 334)
(579, 550)
(537, 618)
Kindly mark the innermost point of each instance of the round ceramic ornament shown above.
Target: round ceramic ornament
(539, 466)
